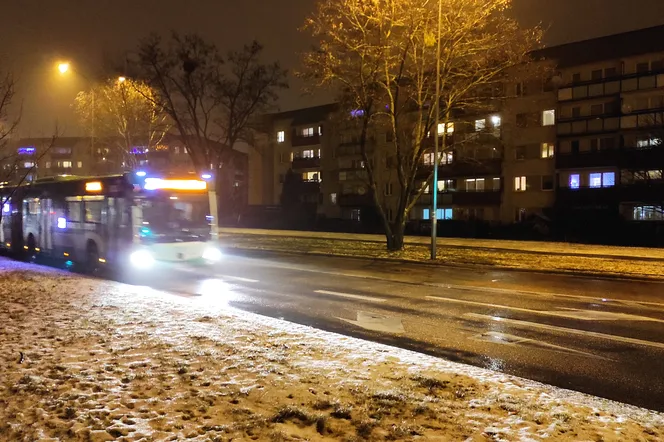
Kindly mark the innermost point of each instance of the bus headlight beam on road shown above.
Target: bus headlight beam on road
(212, 254)
(141, 259)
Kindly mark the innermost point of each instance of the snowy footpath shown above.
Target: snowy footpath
(88, 360)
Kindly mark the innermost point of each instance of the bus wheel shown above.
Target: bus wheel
(32, 248)
(92, 258)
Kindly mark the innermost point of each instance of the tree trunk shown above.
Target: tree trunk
(395, 236)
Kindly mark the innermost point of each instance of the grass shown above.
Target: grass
(514, 258)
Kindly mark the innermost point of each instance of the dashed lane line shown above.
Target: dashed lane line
(350, 295)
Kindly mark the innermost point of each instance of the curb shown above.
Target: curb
(586, 275)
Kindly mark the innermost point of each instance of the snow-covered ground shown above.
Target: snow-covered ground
(597, 260)
(96, 360)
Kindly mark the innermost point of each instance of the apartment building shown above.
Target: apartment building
(610, 155)
(579, 146)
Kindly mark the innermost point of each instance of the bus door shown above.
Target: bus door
(46, 226)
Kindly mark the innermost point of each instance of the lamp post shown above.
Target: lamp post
(434, 199)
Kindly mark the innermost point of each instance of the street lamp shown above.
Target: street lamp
(122, 79)
(434, 200)
(63, 67)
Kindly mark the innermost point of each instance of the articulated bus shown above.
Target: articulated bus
(119, 221)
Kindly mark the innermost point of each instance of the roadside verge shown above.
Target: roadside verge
(591, 261)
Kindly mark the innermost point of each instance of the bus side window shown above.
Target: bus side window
(74, 211)
(93, 211)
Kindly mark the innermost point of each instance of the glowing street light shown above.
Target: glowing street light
(122, 79)
(63, 68)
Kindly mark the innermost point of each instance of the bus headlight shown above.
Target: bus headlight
(212, 254)
(141, 259)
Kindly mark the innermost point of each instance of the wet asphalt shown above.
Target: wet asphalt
(604, 337)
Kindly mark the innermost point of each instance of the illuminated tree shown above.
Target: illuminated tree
(125, 115)
(380, 57)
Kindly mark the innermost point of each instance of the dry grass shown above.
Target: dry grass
(511, 259)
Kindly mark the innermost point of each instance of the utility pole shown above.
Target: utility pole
(434, 185)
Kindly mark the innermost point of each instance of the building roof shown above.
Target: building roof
(306, 115)
(610, 47)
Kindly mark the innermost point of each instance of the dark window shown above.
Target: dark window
(522, 120)
(576, 77)
(642, 67)
(594, 145)
(596, 75)
(547, 182)
(597, 109)
(576, 112)
(520, 153)
(575, 146)
(607, 143)
(610, 72)
(657, 65)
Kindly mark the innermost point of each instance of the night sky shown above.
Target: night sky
(36, 33)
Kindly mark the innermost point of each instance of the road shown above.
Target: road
(602, 337)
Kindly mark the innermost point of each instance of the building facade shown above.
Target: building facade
(581, 148)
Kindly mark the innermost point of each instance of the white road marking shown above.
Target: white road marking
(583, 315)
(379, 323)
(473, 288)
(507, 339)
(566, 330)
(237, 278)
(350, 295)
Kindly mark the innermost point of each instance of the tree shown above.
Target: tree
(212, 101)
(125, 114)
(380, 57)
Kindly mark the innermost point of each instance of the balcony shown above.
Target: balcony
(305, 163)
(465, 168)
(300, 141)
(354, 200)
(589, 125)
(464, 198)
(310, 187)
(625, 158)
(610, 196)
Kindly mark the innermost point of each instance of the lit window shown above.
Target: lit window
(48, 164)
(441, 128)
(496, 120)
(520, 184)
(496, 184)
(67, 164)
(574, 181)
(648, 142)
(447, 158)
(281, 136)
(79, 164)
(470, 184)
(480, 125)
(308, 132)
(292, 155)
(440, 214)
(547, 150)
(333, 198)
(308, 153)
(320, 130)
(428, 159)
(28, 164)
(608, 179)
(549, 117)
(595, 180)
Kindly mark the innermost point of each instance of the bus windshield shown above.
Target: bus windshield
(175, 214)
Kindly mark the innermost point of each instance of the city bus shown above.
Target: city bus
(120, 221)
